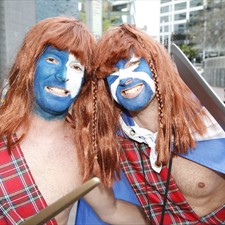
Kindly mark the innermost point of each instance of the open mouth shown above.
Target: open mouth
(57, 91)
(133, 91)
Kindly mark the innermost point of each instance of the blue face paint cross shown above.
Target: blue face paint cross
(132, 85)
(57, 82)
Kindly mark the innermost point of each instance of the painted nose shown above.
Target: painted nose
(62, 75)
(125, 81)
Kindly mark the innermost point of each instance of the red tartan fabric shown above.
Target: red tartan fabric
(178, 211)
(19, 195)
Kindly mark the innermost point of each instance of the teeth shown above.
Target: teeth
(58, 91)
(132, 90)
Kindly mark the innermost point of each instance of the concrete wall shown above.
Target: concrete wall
(2, 41)
(214, 71)
(16, 17)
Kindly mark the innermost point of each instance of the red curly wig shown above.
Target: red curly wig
(64, 33)
(179, 112)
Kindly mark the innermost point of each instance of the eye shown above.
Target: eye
(136, 62)
(76, 67)
(115, 70)
(52, 60)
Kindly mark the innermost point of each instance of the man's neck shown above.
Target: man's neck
(46, 128)
(148, 117)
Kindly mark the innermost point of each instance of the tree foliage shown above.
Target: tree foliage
(208, 28)
(190, 51)
(107, 22)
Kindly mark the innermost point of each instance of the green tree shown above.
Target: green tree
(107, 22)
(208, 28)
(190, 51)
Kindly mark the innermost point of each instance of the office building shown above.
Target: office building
(116, 12)
(175, 17)
(178, 17)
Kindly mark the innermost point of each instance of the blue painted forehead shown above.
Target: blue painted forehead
(52, 49)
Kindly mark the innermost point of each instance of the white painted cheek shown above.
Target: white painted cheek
(74, 77)
(123, 74)
(74, 82)
(148, 80)
(113, 88)
(144, 76)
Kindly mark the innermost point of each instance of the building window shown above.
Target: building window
(164, 28)
(164, 19)
(164, 40)
(180, 28)
(180, 16)
(164, 9)
(194, 3)
(196, 14)
(164, 1)
(180, 6)
(120, 7)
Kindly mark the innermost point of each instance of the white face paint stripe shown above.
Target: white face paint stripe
(74, 77)
(129, 74)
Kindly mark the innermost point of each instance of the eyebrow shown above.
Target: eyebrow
(132, 59)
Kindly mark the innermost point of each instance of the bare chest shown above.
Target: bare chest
(203, 188)
(54, 167)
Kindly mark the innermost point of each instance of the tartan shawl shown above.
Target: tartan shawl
(150, 189)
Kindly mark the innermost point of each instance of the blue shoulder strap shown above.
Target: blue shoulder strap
(209, 153)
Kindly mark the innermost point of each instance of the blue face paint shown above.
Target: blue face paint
(57, 82)
(132, 84)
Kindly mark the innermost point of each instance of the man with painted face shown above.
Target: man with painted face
(57, 82)
(172, 150)
(37, 152)
(39, 161)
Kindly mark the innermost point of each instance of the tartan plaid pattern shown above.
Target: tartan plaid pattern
(19, 195)
(150, 189)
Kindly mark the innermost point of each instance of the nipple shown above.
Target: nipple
(201, 185)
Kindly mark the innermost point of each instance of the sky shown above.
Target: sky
(147, 13)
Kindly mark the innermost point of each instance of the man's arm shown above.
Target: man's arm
(114, 211)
